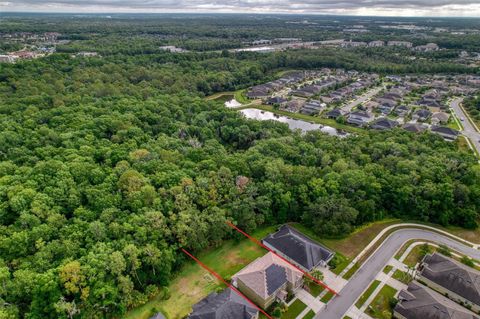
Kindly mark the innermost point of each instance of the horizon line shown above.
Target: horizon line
(238, 13)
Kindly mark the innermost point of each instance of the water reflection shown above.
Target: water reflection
(293, 124)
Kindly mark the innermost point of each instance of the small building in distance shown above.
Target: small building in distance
(418, 302)
(225, 305)
(449, 277)
(298, 248)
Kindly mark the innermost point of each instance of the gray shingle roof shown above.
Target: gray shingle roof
(452, 275)
(298, 247)
(225, 305)
(419, 302)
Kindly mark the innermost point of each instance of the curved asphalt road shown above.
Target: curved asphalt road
(339, 305)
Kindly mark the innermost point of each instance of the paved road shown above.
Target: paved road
(362, 99)
(338, 306)
(468, 129)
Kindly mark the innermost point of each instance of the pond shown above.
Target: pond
(293, 124)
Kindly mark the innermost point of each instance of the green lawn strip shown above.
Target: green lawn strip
(192, 283)
(309, 315)
(367, 293)
(307, 118)
(351, 271)
(381, 306)
(387, 269)
(327, 297)
(218, 95)
(402, 276)
(294, 310)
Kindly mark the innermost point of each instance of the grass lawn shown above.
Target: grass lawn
(315, 289)
(402, 276)
(309, 315)
(381, 307)
(415, 255)
(367, 293)
(241, 97)
(294, 310)
(327, 297)
(387, 269)
(193, 283)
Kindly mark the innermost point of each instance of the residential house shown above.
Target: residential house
(374, 44)
(427, 47)
(440, 118)
(298, 248)
(422, 115)
(452, 278)
(294, 105)
(225, 305)
(418, 302)
(268, 279)
(415, 127)
(335, 113)
(277, 100)
(360, 118)
(400, 43)
(313, 107)
(384, 124)
(447, 133)
(402, 110)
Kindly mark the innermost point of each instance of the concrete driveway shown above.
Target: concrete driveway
(339, 305)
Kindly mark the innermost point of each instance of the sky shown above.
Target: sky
(436, 8)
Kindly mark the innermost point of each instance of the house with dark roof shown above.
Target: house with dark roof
(334, 114)
(312, 107)
(451, 278)
(298, 248)
(419, 302)
(384, 123)
(268, 279)
(276, 100)
(402, 110)
(422, 115)
(360, 118)
(225, 305)
(447, 133)
(415, 127)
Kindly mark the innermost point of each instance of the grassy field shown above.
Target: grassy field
(415, 255)
(367, 293)
(294, 310)
(381, 307)
(194, 283)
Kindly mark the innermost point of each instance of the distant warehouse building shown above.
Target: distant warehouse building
(298, 248)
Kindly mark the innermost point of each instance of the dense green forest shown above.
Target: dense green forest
(109, 165)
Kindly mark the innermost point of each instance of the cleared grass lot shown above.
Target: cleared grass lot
(194, 283)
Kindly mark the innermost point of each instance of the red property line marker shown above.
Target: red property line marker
(282, 258)
(226, 283)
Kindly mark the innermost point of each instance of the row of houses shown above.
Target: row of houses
(349, 90)
(450, 290)
(389, 100)
(268, 279)
(263, 91)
